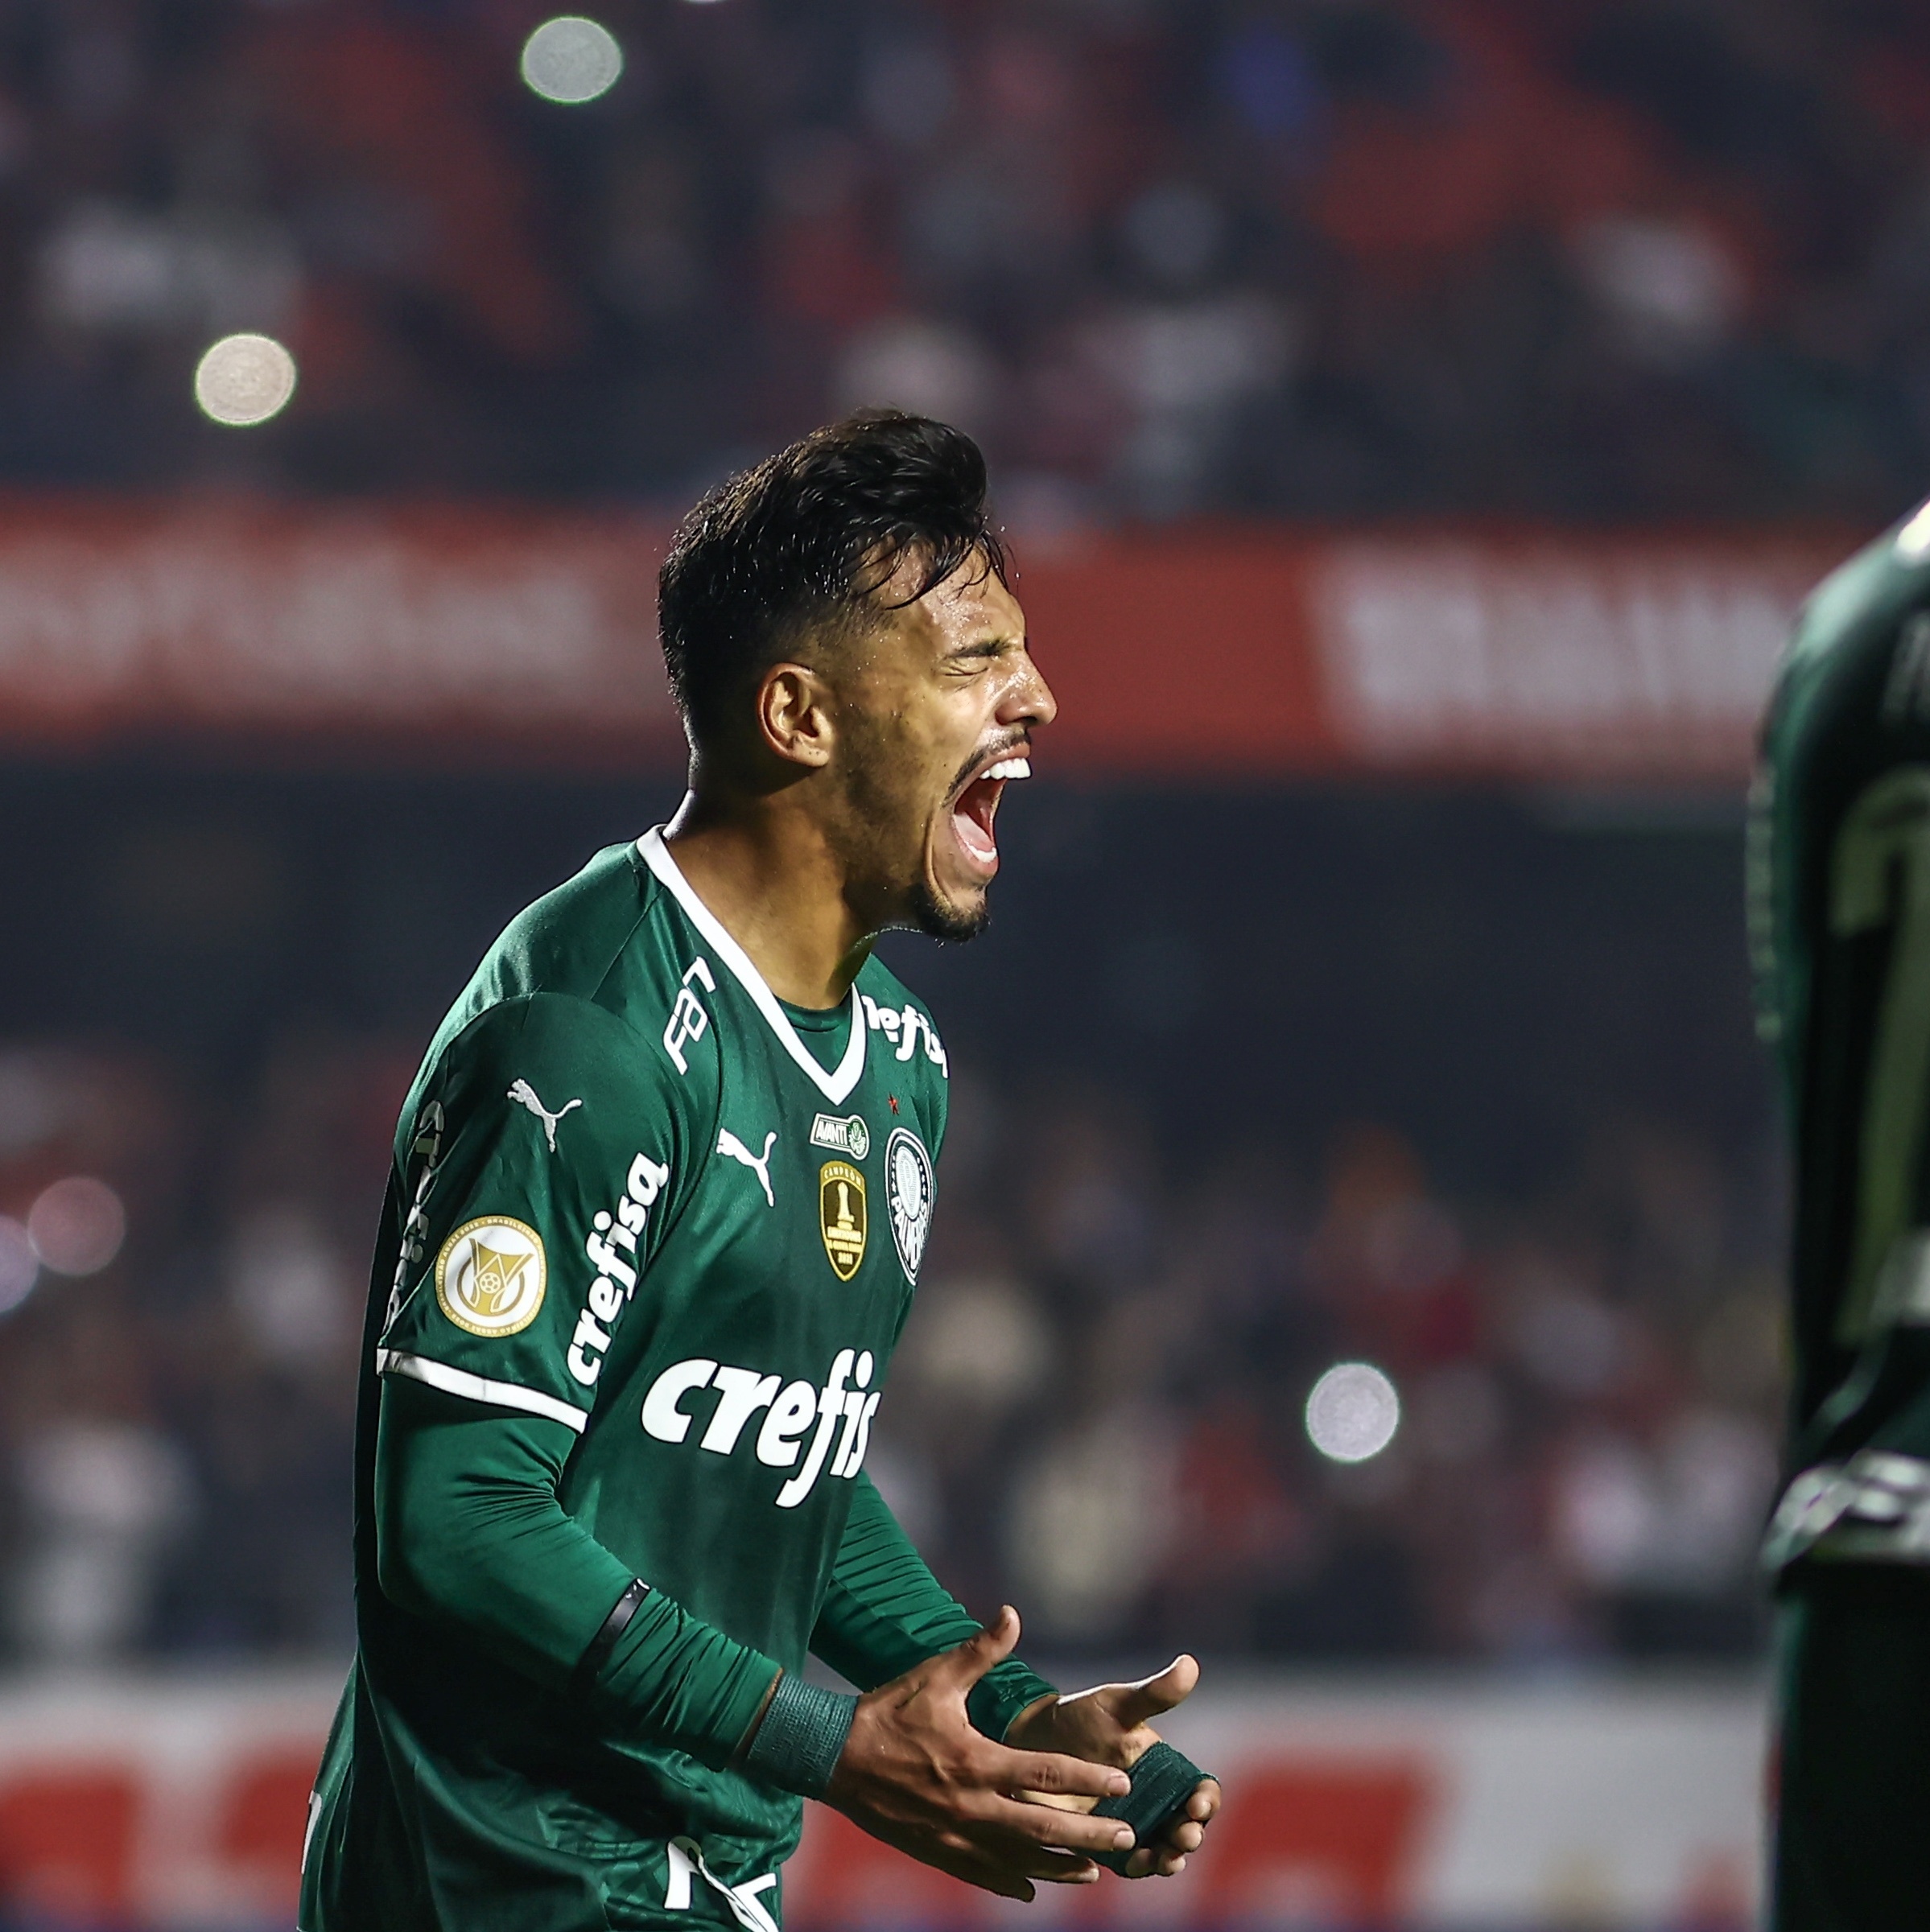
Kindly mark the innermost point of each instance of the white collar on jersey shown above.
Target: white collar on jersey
(834, 1087)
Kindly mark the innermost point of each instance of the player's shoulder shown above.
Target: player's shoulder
(584, 986)
(1873, 588)
(613, 935)
(554, 1032)
(1858, 609)
(1858, 669)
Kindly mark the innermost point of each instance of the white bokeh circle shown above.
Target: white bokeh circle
(244, 380)
(1352, 1412)
(76, 1226)
(571, 59)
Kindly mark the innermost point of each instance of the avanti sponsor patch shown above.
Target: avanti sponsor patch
(841, 1216)
(845, 1134)
(490, 1275)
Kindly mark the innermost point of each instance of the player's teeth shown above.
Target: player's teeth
(1011, 768)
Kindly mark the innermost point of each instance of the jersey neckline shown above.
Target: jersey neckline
(835, 1086)
(816, 1019)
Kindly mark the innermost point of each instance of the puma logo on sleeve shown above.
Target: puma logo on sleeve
(524, 1095)
(728, 1142)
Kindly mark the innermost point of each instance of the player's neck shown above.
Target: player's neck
(771, 881)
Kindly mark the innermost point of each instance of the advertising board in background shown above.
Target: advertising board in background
(180, 1803)
(499, 638)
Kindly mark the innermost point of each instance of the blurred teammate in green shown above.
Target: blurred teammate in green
(1840, 917)
(660, 1195)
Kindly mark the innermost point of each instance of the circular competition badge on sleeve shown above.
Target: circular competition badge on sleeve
(490, 1275)
(908, 1195)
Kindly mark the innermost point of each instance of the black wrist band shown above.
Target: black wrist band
(1163, 1781)
(589, 1665)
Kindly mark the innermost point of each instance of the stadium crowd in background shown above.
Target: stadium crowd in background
(1097, 1412)
(1327, 257)
(1311, 257)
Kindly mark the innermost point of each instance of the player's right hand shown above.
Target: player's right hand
(917, 1774)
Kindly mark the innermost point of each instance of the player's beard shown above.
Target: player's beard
(936, 920)
(934, 917)
(879, 794)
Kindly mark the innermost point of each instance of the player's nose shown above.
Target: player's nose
(1028, 699)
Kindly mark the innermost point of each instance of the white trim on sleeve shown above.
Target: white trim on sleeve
(478, 1388)
(834, 1087)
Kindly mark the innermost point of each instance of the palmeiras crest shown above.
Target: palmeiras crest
(907, 1195)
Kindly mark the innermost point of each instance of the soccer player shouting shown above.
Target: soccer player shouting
(660, 1194)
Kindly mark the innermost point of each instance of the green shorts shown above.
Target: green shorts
(1852, 1839)
(366, 1867)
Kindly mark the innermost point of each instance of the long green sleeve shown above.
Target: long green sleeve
(469, 1528)
(885, 1611)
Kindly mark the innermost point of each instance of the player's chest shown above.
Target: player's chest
(809, 1210)
(775, 1299)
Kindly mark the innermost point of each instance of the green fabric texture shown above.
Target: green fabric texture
(470, 1528)
(1163, 1783)
(1853, 1788)
(801, 1737)
(648, 1247)
(1839, 902)
(885, 1613)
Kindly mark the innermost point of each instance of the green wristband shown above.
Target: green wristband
(1163, 1781)
(804, 1729)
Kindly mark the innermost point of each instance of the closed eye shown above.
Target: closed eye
(975, 656)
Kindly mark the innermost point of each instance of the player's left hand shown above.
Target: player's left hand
(1110, 1724)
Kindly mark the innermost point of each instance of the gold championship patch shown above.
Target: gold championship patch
(841, 1216)
(490, 1275)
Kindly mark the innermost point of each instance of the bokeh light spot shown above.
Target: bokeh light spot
(20, 1265)
(571, 59)
(1353, 1412)
(244, 380)
(77, 1225)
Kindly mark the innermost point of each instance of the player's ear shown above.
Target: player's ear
(795, 715)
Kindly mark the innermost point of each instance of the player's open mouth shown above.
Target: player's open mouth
(977, 807)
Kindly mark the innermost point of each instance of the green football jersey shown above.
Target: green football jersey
(636, 1195)
(1839, 877)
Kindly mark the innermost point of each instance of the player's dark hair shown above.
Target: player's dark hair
(805, 541)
